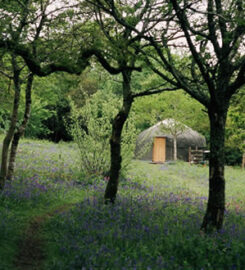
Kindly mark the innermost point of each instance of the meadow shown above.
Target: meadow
(154, 224)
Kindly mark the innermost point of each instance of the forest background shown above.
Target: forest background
(54, 96)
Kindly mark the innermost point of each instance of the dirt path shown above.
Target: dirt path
(31, 247)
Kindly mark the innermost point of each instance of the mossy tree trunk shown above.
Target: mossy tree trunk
(213, 219)
(115, 141)
(10, 133)
(21, 129)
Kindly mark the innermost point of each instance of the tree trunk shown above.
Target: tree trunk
(175, 147)
(10, 133)
(115, 141)
(213, 219)
(19, 133)
(243, 160)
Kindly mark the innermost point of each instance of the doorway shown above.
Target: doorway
(159, 150)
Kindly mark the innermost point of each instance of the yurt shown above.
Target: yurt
(156, 143)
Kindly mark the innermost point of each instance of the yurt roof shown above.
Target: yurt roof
(187, 136)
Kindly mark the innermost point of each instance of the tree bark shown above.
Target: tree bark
(175, 147)
(115, 141)
(20, 131)
(213, 219)
(10, 132)
(243, 160)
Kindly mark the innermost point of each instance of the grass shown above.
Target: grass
(153, 225)
(44, 179)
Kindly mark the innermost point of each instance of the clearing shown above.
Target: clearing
(55, 218)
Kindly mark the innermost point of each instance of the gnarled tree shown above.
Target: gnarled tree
(214, 73)
(40, 32)
(122, 46)
(209, 36)
(21, 129)
(27, 31)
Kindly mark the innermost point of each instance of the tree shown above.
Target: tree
(14, 73)
(6, 91)
(51, 107)
(21, 129)
(114, 46)
(122, 46)
(175, 128)
(17, 31)
(177, 105)
(210, 36)
(215, 73)
(27, 31)
(43, 25)
(14, 117)
(91, 127)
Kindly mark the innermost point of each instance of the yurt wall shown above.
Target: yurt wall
(189, 138)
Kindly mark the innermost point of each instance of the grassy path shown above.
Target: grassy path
(31, 247)
(51, 218)
(43, 186)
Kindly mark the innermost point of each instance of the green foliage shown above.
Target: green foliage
(39, 113)
(87, 85)
(233, 156)
(91, 130)
(235, 131)
(149, 110)
(172, 127)
(50, 107)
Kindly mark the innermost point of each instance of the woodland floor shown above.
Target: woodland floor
(31, 253)
(51, 218)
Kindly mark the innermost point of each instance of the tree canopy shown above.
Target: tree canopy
(194, 46)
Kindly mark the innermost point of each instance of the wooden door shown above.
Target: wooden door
(159, 149)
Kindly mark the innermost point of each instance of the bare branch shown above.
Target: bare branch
(184, 22)
(239, 82)
(6, 74)
(156, 91)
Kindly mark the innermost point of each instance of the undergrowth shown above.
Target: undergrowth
(154, 223)
(45, 178)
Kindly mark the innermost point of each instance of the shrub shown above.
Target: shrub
(233, 156)
(39, 113)
(91, 130)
